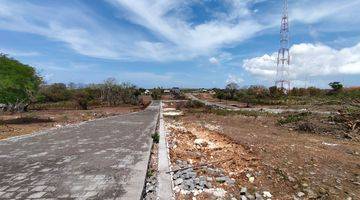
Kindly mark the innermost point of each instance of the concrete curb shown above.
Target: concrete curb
(164, 190)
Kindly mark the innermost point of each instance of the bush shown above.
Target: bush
(194, 104)
(82, 98)
(55, 92)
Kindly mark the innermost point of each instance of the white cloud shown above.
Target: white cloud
(89, 34)
(214, 61)
(19, 53)
(234, 79)
(171, 34)
(309, 11)
(314, 60)
(179, 35)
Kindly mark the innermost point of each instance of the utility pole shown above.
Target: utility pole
(283, 59)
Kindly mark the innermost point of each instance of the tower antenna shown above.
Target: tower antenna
(283, 59)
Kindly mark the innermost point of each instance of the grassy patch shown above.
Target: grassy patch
(292, 118)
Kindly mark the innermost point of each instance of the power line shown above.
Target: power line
(283, 59)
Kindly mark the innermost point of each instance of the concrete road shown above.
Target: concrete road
(101, 159)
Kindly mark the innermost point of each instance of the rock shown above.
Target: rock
(291, 179)
(200, 142)
(202, 178)
(209, 179)
(243, 191)
(305, 185)
(250, 197)
(295, 198)
(192, 174)
(311, 194)
(243, 197)
(221, 179)
(230, 181)
(208, 185)
(267, 194)
(219, 192)
(178, 181)
(177, 189)
(300, 194)
(196, 180)
(202, 183)
(251, 179)
(258, 196)
(189, 185)
(150, 189)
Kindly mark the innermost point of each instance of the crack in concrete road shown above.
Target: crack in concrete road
(101, 159)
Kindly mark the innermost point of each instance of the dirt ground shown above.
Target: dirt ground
(36, 120)
(319, 106)
(287, 163)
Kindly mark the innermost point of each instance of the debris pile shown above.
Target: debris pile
(172, 112)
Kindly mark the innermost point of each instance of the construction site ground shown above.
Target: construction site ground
(260, 157)
(315, 105)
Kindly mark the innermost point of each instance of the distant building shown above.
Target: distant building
(175, 91)
(167, 91)
(147, 92)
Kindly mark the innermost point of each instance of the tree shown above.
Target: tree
(19, 84)
(220, 94)
(231, 88)
(55, 92)
(336, 86)
(156, 93)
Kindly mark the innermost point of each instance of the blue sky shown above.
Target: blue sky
(185, 43)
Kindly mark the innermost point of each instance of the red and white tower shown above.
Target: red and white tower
(283, 60)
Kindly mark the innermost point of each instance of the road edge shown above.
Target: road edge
(165, 187)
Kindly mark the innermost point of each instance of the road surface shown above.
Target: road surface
(101, 159)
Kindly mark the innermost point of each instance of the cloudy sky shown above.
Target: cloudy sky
(185, 43)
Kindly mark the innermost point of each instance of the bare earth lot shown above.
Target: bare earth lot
(318, 106)
(257, 154)
(35, 120)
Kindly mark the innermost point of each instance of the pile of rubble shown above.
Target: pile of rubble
(187, 181)
(150, 188)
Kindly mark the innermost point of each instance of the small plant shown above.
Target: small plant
(150, 173)
(65, 118)
(155, 137)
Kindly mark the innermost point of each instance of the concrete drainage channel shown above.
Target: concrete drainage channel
(158, 184)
